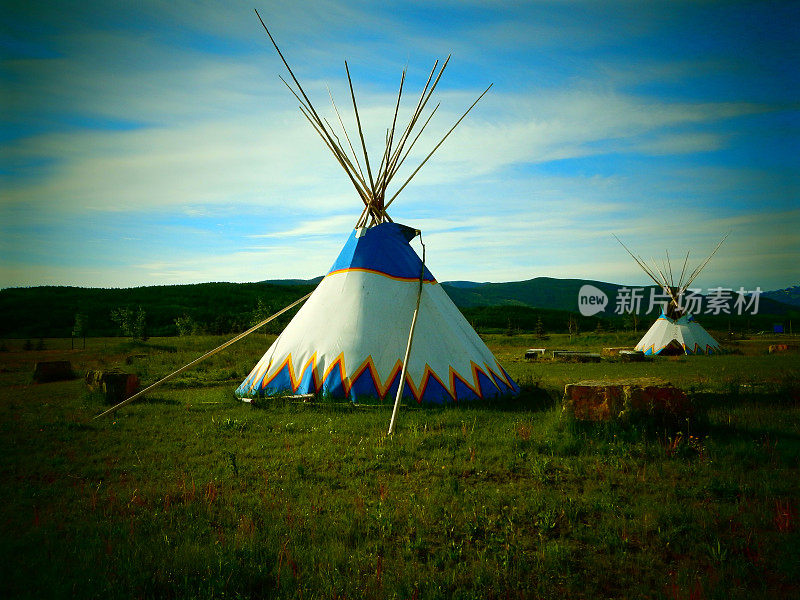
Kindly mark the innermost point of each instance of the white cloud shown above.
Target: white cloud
(324, 226)
(217, 138)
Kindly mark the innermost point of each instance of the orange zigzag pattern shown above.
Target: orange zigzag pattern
(493, 375)
(652, 348)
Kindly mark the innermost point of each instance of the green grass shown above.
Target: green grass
(194, 494)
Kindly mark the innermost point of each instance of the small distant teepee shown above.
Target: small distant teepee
(675, 331)
(352, 337)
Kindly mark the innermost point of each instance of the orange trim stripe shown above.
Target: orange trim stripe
(409, 279)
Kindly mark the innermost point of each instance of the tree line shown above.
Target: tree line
(212, 308)
(223, 308)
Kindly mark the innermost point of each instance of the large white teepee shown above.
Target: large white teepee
(350, 339)
(675, 331)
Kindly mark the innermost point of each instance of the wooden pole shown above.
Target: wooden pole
(312, 112)
(412, 122)
(705, 262)
(388, 152)
(641, 263)
(347, 137)
(423, 101)
(202, 358)
(408, 345)
(396, 165)
(360, 131)
(683, 271)
(435, 148)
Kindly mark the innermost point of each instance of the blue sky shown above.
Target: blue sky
(153, 143)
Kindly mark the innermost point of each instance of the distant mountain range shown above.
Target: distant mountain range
(789, 295)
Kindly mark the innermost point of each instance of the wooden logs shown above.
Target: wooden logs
(114, 385)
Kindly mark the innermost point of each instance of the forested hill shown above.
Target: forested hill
(562, 294)
(541, 292)
(209, 307)
(219, 308)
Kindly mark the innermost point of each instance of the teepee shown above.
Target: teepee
(675, 331)
(378, 321)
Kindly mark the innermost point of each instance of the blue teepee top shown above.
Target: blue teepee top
(383, 249)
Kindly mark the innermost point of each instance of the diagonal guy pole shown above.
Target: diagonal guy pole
(202, 358)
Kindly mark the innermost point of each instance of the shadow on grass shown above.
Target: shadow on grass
(757, 435)
(139, 345)
(704, 422)
(530, 399)
(100, 403)
(787, 398)
(158, 400)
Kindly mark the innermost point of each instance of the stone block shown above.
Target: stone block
(613, 351)
(53, 370)
(634, 356)
(624, 400)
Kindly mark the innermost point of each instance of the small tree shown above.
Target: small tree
(262, 311)
(123, 317)
(140, 326)
(186, 325)
(133, 325)
(540, 332)
(79, 328)
(572, 326)
(510, 329)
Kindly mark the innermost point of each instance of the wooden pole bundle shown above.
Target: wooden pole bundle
(372, 186)
(667, 283)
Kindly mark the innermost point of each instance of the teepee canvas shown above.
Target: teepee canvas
(683, 335)
(675, 331)
(351, 338)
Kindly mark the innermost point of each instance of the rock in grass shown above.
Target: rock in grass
(613, 352)
(634, 356)
(625, 400)
(129, 360)
(115, 385)
(53, 370)
(778, 348)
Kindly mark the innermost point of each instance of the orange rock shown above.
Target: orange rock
(604, 400)
(775, 348)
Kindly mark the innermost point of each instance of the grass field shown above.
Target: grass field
(193, 494)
